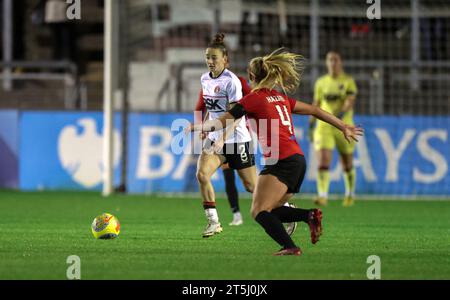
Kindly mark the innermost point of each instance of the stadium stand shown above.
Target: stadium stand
(161, 36)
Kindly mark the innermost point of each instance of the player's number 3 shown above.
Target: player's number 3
(285, 120)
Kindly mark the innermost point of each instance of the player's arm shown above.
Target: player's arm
(200, 108)
(212, 125)
(230, 129)
(348, 105)
(350, 99)
(312, 119)
(235, 113)
(349, 131)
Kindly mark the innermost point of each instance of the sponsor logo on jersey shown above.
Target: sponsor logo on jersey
(213, 104)
(332, 97)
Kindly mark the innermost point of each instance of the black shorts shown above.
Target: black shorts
(290, 171)
(237, 155)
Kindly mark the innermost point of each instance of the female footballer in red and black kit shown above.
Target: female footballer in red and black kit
(228, 173)
(279, 181)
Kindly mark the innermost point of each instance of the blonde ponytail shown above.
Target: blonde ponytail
(280, 68)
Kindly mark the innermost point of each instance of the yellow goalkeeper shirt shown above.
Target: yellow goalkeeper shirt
(332, 93)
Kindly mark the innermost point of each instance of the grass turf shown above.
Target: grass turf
(161, 239)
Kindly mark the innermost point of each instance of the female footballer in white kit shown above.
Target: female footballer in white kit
(221, 89)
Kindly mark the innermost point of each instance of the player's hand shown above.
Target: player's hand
(218, 145)
(352, 132)
(203, 135)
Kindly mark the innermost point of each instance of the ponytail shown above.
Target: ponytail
(280, 68)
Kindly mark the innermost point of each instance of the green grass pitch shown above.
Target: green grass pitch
(161, 239)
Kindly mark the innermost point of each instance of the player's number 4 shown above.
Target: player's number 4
(285, 120)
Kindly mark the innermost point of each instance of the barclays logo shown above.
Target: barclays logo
(80, 152)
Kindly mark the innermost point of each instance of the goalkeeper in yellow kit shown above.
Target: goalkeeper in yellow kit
(335, 93)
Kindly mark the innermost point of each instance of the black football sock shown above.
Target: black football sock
(289, 214)
(230, 188)
(275, 229)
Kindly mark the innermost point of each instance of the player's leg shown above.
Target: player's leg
(292, 173)
(291, 226)
(232, 194)
(206, 166)
(349, 179)
(292, 215)
(248, 178)
(268, 194)
(346, 151)
(324, 157)
(243, 162)
(324, 144)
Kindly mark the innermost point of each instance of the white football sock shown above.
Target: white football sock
(211, 215)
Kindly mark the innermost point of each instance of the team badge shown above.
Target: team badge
(217, 89)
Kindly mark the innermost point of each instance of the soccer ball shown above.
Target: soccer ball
(105, 227)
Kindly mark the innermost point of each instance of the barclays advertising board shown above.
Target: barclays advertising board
(61, 150)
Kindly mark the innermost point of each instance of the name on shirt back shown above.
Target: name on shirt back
(271, 99)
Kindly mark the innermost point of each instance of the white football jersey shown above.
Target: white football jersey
(218, 93)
